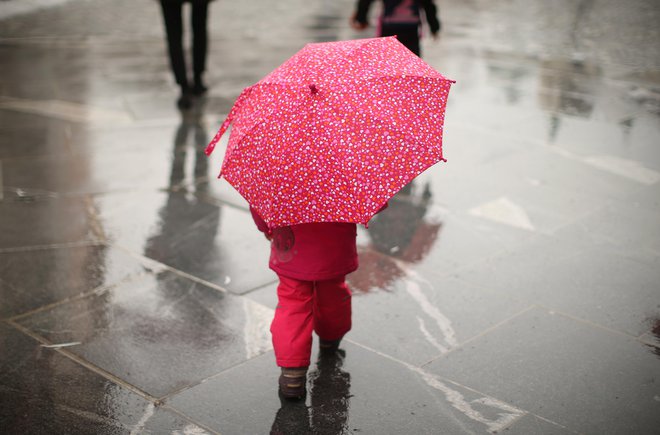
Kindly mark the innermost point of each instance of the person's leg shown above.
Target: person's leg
(174, 30)
(200, 42)
(293, 323)
(332, 309)
(407, 35)
(292, 335)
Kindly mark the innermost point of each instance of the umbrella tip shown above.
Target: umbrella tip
(314, 89)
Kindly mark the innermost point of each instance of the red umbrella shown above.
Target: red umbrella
(334, 132)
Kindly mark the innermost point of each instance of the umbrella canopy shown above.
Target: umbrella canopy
(334, 132)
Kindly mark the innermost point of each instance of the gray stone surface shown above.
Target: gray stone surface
(585, 378)
(513, 289)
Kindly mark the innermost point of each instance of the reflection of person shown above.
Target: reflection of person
(172, 17)
(402, 232)
(400, 18)
(330, 390)
(311, 261)
(393, 232)
(182, 211)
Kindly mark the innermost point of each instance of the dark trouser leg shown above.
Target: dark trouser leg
(174, 30)
(200, 38)
(407, 35)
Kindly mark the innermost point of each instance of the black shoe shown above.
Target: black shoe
(328, 347)
(185, 101)
(199, 89)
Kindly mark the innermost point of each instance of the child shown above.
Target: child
(312, 261)
(400, 18)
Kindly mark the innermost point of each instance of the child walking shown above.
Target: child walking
(311, 261)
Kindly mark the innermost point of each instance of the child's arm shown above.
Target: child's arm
(261, 224)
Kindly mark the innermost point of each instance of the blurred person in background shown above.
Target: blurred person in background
(173, 19)
(400, 18)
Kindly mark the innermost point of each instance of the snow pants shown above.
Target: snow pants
(305, 306)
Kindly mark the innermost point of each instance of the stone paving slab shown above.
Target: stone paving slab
(32, 217)
(159, 332)
(43, 390)
(32, 279)
(595, 284)
(588, 379)
(395, 398)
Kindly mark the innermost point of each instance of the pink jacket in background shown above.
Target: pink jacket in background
(312, 252)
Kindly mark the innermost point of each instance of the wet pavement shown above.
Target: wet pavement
(514, 289)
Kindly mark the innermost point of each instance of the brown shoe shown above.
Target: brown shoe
(293, 382)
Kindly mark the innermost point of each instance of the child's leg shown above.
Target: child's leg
(332, 309)
(293, 323)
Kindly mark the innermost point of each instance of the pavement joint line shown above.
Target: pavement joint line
(90, 366)
(173, 270)
(420, 371)
(95, 291)
(212, 200)
(260, 287)
(590, 323)
(171, 394)
(78, 244)
(502, 253)
(480, 334)
(189, 418)
(647, 342)
(93, 216)
(410, 366)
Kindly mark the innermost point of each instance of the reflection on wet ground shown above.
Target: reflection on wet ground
(513, 288)
(330, 391)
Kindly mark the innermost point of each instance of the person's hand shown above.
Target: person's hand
(356, 24)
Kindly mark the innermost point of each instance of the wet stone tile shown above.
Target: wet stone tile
(216, 243)
(159, 332)
(628, 228)
(42, 391)
(653, 335)
(153, 106)
(34, 217)
(22, 142)
(433, 239)
(266, 295)
(561, 172)
(35, 278)
(595, 283)
(416, 318)
(531, 424)
(634, 140)
(60, 173)
(225, 249)
(584, 378)
(146, 162)
(150, 222)
(345, 395)
(160, 138)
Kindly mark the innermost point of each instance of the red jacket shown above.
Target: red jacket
(311, 252)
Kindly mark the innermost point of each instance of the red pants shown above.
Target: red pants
(321, 306)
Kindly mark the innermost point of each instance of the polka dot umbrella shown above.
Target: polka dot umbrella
(334, 132)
